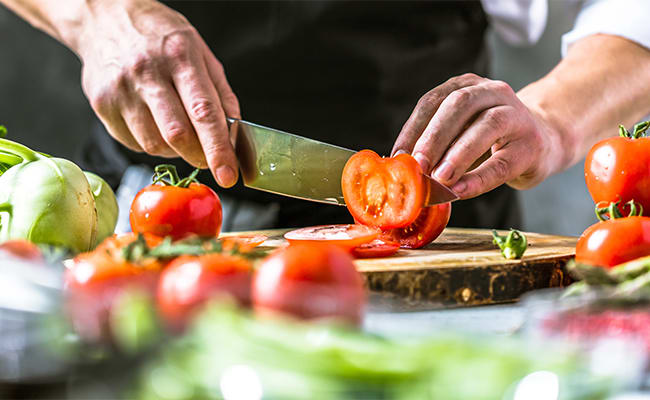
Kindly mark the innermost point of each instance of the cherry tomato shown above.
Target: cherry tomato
(189, 281)
(612, 242)
(243, 243)
(383, 192)
(345, 236)
(94, 281)
(375, 249)
(426, 228)
(617, 169)
(309, 281)
(23, 249)
(178, 212)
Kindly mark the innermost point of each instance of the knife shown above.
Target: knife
(279, 162)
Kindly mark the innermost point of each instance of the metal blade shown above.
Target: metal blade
(282, 163)
(279, 162)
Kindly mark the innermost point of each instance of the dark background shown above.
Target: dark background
(43, 106)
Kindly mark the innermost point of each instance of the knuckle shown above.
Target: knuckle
(176, 134)
(140, 65)
(502, 87)
(428, 98)
(177, 45)
(459, 98)
(203, 111)
(153, 147)
(496, 120)
(500, 169)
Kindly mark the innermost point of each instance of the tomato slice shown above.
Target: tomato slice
(346, 235)
(23, 249)
(244, 243)
(375, 249)
(426, 228)
(383, 192)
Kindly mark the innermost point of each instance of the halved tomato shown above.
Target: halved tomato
(346, 236)
(243, 243)
(426, 228)
(376, 248)
(383, 192)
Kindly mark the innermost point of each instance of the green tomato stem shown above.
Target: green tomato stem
(612, 210)
(163, 171)
(513, 245)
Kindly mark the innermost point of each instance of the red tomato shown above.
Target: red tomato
(23, 249)
(243, 243)
(383, 192)
(94, 280)
(617, 169)
(425, 229)
(612, 242)
(309, 281)
(345, 236)
(165, 210)
(376, 248)
(189, 281)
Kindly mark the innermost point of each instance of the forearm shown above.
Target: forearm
(603, 81)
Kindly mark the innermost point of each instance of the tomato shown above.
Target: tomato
(309, 281)
(383, 192)
(23, 249)
(618, 169)
(189, 281)
(609, 243)
(94, 281)
(426, 228)
(243, 243)
(376, 248)
(345, 236)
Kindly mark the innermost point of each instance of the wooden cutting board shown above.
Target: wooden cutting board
(461, 268)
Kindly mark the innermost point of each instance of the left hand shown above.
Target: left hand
(468, 116)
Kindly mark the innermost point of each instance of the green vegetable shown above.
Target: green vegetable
(45, 200)
(106, 206)
(513, 245)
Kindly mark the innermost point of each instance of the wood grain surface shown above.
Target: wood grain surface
(461, 268)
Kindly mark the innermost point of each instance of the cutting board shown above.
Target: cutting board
(460, 268)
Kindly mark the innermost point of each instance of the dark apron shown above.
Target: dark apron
(347, 73)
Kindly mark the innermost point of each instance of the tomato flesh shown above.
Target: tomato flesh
(375, 249)
(189, 281)
(383, 192)
(426, 228)
(346, 236)
(612, 242)
(23, 249)
(243, 243)
(309, 281)
(178, 212)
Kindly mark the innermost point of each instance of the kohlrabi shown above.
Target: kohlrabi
(45, 200)
(106, 205)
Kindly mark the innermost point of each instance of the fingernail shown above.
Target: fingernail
(444, 172)
(398, 152)
(423, 161)
(225, 176)
(459, 187)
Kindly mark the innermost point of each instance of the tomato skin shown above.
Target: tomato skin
(243, 243)
(345, 236)
(426, 228)
(618, 168)
(309, 281)
(383, 192)
(189, 281)
(612, 242)
(178, 212)
(22, 249)
(375, 249)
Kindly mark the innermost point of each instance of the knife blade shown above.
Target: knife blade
(283, 163)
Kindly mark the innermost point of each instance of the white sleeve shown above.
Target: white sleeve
(517, 22)
(625, 18)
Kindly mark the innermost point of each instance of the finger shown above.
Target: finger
(456, 112)
(117, 128)
(229, 100)
(140, 123)
(490, 126)
(426, 108)
(203, 106)
(500, 168)
(173, 124)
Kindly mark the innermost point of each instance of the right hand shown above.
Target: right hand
(156, 85)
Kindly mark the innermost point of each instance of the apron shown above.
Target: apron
(346, 73)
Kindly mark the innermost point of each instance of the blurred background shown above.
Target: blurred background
(42, 105)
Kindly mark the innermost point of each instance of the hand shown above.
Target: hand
(456, 123)
(156, 85)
